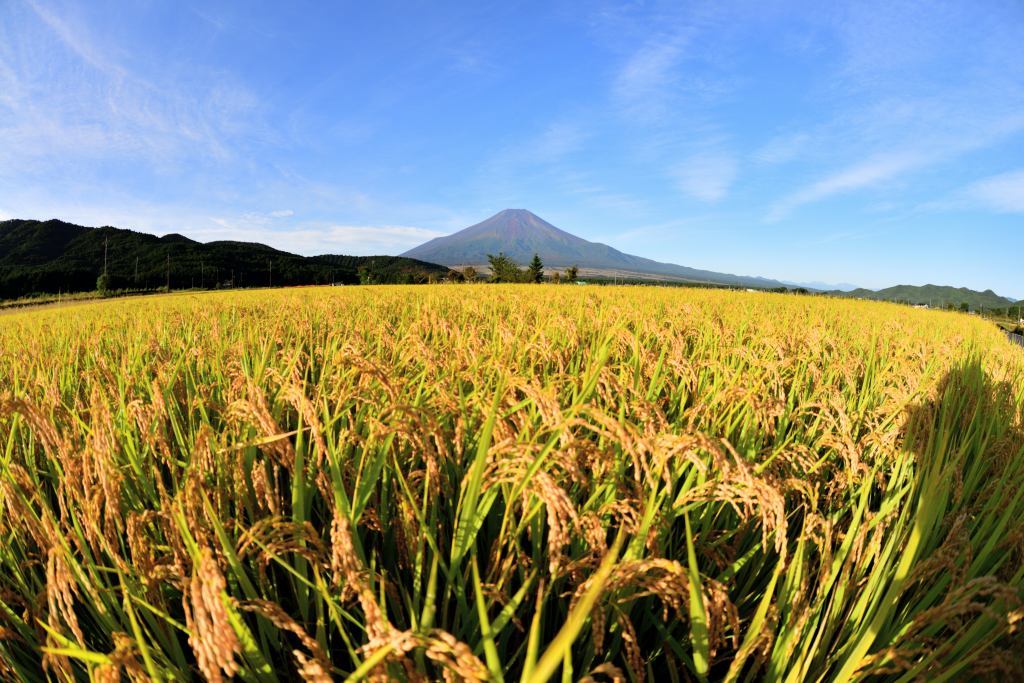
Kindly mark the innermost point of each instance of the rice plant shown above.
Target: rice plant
(506, 483)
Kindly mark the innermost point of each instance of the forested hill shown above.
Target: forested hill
(933, 295)
(54, 256)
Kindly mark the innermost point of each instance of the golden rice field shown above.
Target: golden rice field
(509, 483)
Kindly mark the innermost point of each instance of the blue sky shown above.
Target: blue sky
(867, 142)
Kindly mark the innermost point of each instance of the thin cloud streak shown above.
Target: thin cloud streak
(1003, 193)
(963, 134)
(58, 114)
(861, 175)
(76, 40)
(706, 177)
(782, 149)
(314, 239)
(642, 86)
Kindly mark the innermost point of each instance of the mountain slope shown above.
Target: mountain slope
(520, 234)
(934, 295)
(54, 256)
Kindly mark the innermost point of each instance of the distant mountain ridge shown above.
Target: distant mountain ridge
(520, 234)
(55, 256)
(933, 295)
(823, 286)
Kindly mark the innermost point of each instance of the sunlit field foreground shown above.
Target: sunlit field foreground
(508, 482)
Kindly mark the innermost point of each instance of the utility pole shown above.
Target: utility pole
(202, 274)
(232, 278)
(168, 271)
(271, 279)
(105, 240)
(136, 271)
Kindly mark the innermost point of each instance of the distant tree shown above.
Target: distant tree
(103, 284)
(556, 277)
(572, 274)
(469, 272)
(504, 269)
(965, 307)
(536, 269)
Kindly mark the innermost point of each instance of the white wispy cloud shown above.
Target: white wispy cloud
(643, 85)
(356, 235)
(861, 175)
(1003, 193)
(841, 236)
(557, 140)
(706, 177)
(929, 135)
(553, 143)
(596, 194)
(319, 238)
(69, 93)
(471, 57)
(251, 220)
(375, 239)
(76, 39)
(909, 93)
(545, 154)
(782, 149)
(122, 211)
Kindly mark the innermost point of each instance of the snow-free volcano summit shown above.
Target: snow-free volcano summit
(520, 234)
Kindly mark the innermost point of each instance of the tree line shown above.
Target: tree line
(504, 269)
